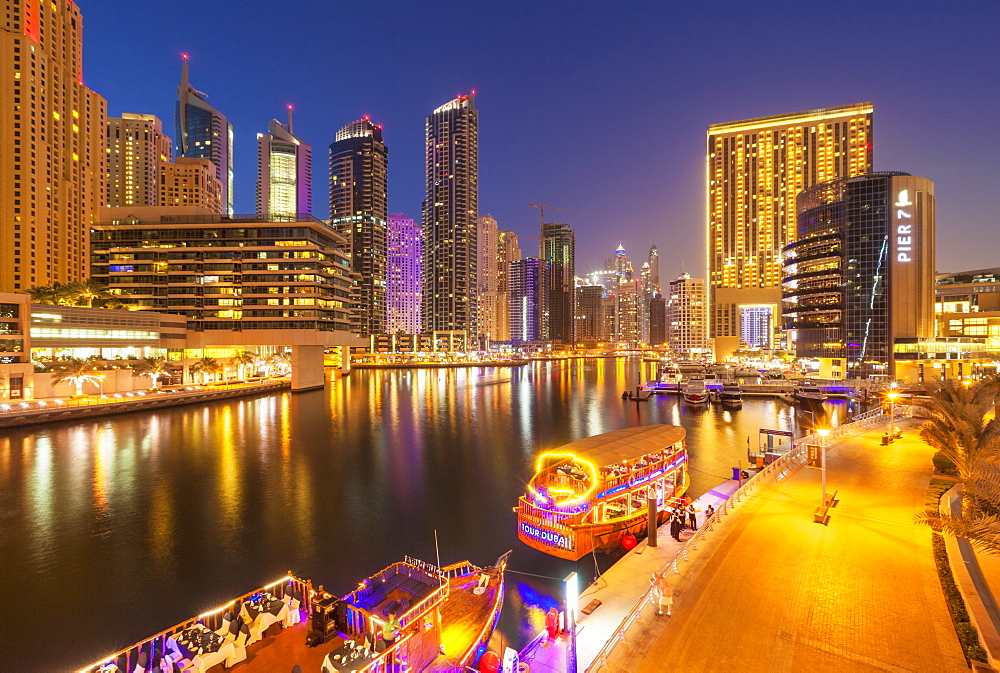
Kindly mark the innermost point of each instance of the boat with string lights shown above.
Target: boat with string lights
(587, 495)
(410, 616)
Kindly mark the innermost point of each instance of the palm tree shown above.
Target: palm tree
(957, 424)
(979, 519)
(83, 293)
(76, 371)
(206, 366)
(154, 368)
(242, 359)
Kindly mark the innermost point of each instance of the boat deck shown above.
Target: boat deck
(465, 619)
(282, 651)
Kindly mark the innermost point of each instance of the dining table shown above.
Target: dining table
(203, 647)
(348, 657)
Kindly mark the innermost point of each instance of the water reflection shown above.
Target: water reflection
(143, 520)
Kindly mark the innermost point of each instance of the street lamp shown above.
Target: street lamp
(823, 432)
(892, 414)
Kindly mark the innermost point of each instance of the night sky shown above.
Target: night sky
(596, 107)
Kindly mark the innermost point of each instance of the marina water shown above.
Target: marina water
(114, 529)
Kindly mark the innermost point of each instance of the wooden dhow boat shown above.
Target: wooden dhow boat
(587, 495)
(444, 618)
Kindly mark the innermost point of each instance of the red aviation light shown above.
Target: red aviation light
(185, 56)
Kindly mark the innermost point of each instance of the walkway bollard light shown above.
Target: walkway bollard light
(571, 588)
(892, 415)
(823, 432)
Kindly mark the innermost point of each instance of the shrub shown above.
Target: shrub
(944, 465)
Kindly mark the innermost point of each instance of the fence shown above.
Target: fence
(781, 468)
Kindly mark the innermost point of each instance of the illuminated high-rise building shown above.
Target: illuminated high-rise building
(189, 182)
(859, 279)
(508, 250)
(52, 146)
(488, 277)
(284, 171)
(756, 168)
(528, 287)
(136, 146)
(590, 319)
(202, 132)
(654, 270)
(449, 215)
(359, 164)
(687, 314)
(558, 248)
(404, 279)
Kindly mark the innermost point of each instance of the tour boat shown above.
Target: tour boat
(446, 617)
(586, 495)
(808, 393)
(731, 395)
(695, 391)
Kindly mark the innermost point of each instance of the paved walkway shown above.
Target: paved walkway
(618, 589)
(778, 592)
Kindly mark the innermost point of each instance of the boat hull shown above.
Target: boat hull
(696, 398)
(579, 541)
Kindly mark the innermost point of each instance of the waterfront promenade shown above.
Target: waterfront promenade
(775, 591)
(618, 589)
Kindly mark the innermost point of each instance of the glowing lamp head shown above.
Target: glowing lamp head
(823, 432)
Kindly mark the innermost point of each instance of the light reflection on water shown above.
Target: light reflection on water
(137, 522)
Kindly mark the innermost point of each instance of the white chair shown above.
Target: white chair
(226, 621)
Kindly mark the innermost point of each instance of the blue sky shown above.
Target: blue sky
(596, 107)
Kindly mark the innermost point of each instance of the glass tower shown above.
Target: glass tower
(202, 132)
(284, 171)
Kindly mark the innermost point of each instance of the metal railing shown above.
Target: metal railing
(781, 468)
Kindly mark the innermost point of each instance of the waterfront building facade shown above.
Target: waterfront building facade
(657, 320)
(202, 132)
(967, 305)
(859, 278)
(449, 215)
(52, 147)
(756, 167)
(628, 314)
(136, 146)
(359, 163)
(189, 182)
(508, 250)
(558, 249)
(242, 282)
(284, 171)
(528, 287)
(591, 322)
(488, 277)
(404, 280)
(687, 318)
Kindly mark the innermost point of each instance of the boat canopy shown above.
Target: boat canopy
(623, 445)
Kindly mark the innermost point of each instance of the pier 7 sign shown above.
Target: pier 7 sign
(548, 537)
(904, 227)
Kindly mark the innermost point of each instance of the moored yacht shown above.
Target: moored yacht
(695, 391)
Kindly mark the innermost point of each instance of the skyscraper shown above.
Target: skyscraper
(189, 182)
(136, 146)
(654, 270)
(52, 146)
(202, 132)
(508, 250)
(859, 279)
(449, 215)
(528, 279)
(404, 278)
(359, 163)
(284, 171)
(558, 249)
(756, 167)
(687, 333)
(488, 276)
(591, 321)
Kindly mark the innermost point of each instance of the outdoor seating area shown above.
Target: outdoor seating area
(221, 636)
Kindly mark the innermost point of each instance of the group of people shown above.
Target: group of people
(682, 517)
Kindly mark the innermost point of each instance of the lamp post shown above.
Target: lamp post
(892, 415)
(823, 432)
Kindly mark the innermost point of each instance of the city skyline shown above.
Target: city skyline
(921, 129)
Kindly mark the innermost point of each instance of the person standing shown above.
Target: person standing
(663, 593)
(709, 511)
(692, 516)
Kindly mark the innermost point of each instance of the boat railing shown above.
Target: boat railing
(361, 621)
(125, 659)
(636, 475)
(782, 467)
(525, 510)
(458, 569)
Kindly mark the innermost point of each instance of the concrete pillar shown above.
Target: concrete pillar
(307, 368)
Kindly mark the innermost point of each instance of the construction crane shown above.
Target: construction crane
(541, 229)
(541, 210)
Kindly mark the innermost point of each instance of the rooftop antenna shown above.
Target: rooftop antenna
(437, 551)
(290, 118)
